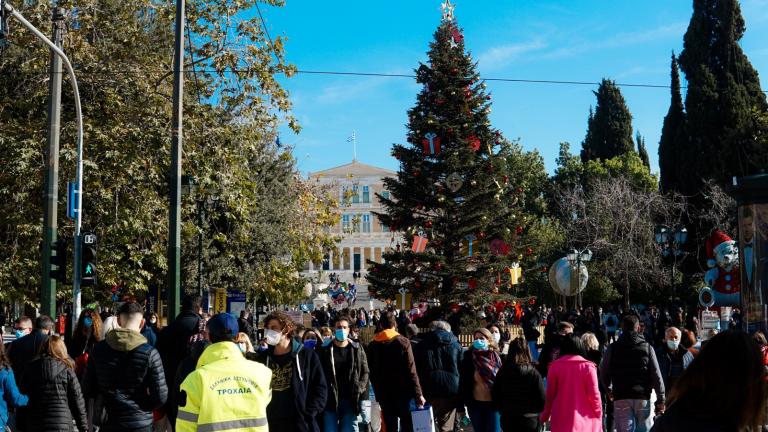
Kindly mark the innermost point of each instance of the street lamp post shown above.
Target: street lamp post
(576, 258)
(403, 291)
(670, 240)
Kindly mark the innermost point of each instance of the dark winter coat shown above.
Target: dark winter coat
(629, 368)
(9, 395)
(550, 352)
(307, 383)
(149, 333)
(681, 358)
(358, 376)
(438, 357)
(518, 390)
(393, 370)
(128, 374)
(23, 350)
(173, 339)
(54, 395)
(682, 416)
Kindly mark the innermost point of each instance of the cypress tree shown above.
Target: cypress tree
(671, 146)
(642, 151)
(723, 95)
(609, 131)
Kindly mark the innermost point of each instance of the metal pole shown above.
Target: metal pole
(174, 210)
(200, 209)
(79, 175)
(48, 287)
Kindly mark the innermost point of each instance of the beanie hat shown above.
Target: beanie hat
(716, 242)
(222, 326)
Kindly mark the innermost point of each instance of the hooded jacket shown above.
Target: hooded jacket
(54, 395)
(358, 375)
(307, 383)
(438, 357)
(393, 369)
(128, 374)
(225, 392)
(630, 370)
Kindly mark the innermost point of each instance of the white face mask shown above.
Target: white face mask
(273, 337)
(496, 337)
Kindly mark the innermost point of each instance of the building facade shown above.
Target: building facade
(364, 237)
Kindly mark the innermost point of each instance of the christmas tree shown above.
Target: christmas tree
(452, 199)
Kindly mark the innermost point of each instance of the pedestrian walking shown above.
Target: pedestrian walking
(244, 323)
(551, 350)
(518, 392)
(629, 371)
(172, 346)
(299, 389)
(723, 389)
(23, 350)
(673, 358)
(127, 373)
(478, 372)
(87, 334)
(10, 397)
(225, 391)
(346, 371)
(55, 397)
(573, 397)
(437, 358)
(393, 375)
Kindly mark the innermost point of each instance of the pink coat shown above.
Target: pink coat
(573, 399)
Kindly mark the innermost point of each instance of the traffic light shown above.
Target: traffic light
(58, 269)
(88, 261)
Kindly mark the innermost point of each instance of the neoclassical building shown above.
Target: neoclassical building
(363, 236)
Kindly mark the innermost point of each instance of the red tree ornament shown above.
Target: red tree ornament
(457, 36)
(474, 142)
(472, 284)
(428, 224)
(519, 230)
(529, 251)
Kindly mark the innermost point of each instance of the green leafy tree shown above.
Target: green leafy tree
(723, 90)
(642, 151)
(609, 128)
(462, 190)
(672, 143)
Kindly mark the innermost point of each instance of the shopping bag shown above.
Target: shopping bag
(423, 420)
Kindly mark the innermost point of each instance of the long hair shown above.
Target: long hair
(94, 333)
(729, 364)
(54, 347)
(572, 345)
(518, 352)
(5, 363)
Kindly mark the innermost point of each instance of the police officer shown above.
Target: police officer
(226, 391)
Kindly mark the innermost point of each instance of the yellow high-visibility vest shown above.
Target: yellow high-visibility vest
(225, 393)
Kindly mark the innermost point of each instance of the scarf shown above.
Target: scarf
(487, 364)
(386, 335)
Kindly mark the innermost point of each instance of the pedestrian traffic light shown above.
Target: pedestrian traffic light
(88, 261)
(58, 262)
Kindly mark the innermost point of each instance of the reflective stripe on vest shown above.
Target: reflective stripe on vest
(231, 424)
(187, 416)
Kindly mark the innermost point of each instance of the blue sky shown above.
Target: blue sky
(628, 41)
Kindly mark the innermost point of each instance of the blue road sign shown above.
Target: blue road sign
(71, 200)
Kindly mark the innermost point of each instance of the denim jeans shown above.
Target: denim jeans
(485, 418)
(341, 420)
(632, 415)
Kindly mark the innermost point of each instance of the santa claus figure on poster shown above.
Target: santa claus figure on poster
(722, 279)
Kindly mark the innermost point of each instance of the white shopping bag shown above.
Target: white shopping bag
(423, 420)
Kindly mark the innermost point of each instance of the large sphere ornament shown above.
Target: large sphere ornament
(560, 278)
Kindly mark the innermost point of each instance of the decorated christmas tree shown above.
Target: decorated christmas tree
(454, 199)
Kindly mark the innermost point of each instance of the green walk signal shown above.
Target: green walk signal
(88, 274)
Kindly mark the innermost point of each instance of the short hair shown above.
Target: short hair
(629, 323)
(325, 331)
(572, 345)
(191, 303)
(388, 320)
(673, 329)
(564, 325)
(130, 308)
(440, 325)
(24, 320)
(44, 322)
(590, 341)
(283, 319)
(346, 318)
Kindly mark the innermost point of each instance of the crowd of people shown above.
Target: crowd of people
(594, 371)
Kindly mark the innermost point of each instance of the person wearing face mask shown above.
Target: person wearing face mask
(477, 375)
(346, 370)
(497, 339)
(299, 389)
(87, 334)
(326, 336)
(312, 339)
(673, 358)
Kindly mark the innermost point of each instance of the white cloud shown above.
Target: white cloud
(500, 56)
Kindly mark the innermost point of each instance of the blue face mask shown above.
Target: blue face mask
(310, 343)
(327, 341)
(341, 335)
(480, 344)
(19, 333)
(88, 321)
(262, 348)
